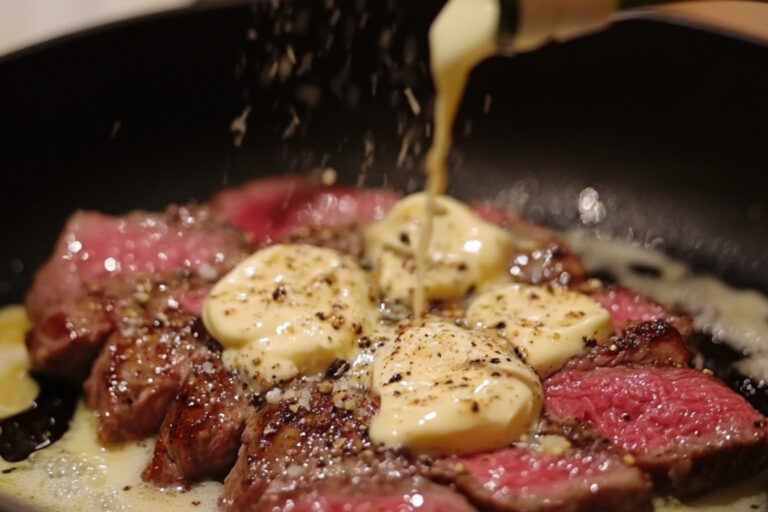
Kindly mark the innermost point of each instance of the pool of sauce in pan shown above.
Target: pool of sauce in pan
(39, 426)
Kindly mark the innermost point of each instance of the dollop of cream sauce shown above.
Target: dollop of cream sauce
(448, 390)
(290, 309)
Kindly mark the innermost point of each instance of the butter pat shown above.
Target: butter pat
(547, 324)
(289, 310)
(17, 389)
(465, 252)
(447, 390)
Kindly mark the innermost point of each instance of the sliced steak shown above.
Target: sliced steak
(687, 428)
(94, 247)
(654, 342)
(200, 435)
(540, 254)
(373, 493)
(524, 478)
(64, 344)
(273, 208)
(306, 433)
(309, 444)
(628, 307)
(139, 372)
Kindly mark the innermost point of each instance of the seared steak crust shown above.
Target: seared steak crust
(200, 435)
(628, 308)
(308, 433)
(541, 255)
(308, 450)
(654, 342)
(138, 374)
(65, 342)
(126, 292)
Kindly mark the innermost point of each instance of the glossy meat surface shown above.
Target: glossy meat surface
(686, 426)
(654, 342)
(527, 478)
(628, 307)
(139, 372)
(200, 435)
(273, 208)
(93, 247)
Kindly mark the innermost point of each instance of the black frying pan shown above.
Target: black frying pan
(669, 124)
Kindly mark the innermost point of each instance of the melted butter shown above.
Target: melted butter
(77, 473)
(463, 34)
(448, 390)
(17, 389)
(546, 324)
(465, 254)
(289, 310)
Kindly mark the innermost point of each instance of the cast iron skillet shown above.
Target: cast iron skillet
(668, 124)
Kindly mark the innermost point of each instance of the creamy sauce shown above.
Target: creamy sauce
(447, 390)
(17, 389)
(289, 310)
(463, 34)
(77, 473)
(465, 254)
(272, 314)
(546, 325)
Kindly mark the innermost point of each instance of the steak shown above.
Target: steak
(200, 435)
(690, 431)
(540, 255)
(64, 344)
(307, 449)
(139, 372)
(271, 209)
(628, 307)
(68, 338)
(94, 247)
(525, 478)
(654, 342)
(306, 433)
